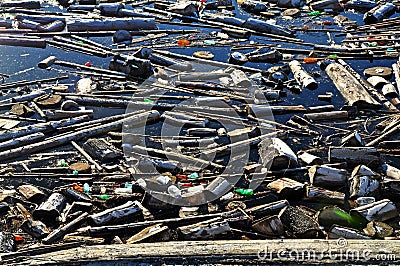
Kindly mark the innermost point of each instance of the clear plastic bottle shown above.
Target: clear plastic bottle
(86, 188)
(163, 180)
(174, 191)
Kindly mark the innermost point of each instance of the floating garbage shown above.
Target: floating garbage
(145, 126)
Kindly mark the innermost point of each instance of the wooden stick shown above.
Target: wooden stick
(38, 110)
(376, 140)
(86, 155)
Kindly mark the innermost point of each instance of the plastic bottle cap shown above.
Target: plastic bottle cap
(88, 64)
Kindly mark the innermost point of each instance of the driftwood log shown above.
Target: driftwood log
(83, 133)
(301, 76)
(351, 89)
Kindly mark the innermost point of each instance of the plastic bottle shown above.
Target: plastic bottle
(287, 56)
(183, 42)
(195, 189)
(182, 177)
(123, 190)
(314, 13)
(86, 188)
(245, 192)
(141, 182)
(174, 191)
(103, 197)
(163, 180)
(193, 175)
(77, 187)
(310, 60)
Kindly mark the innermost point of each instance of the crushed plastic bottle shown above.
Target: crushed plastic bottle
(77, 187)
(193, 176)
(174, 191)
(86, 188)
(183, 42)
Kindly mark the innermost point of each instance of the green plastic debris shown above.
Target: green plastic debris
(62, 163)
(332, 56)
(314, 13)
(245, 192)
(148, 100)
(103, 197)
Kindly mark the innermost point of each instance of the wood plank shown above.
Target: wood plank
(269, 251)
